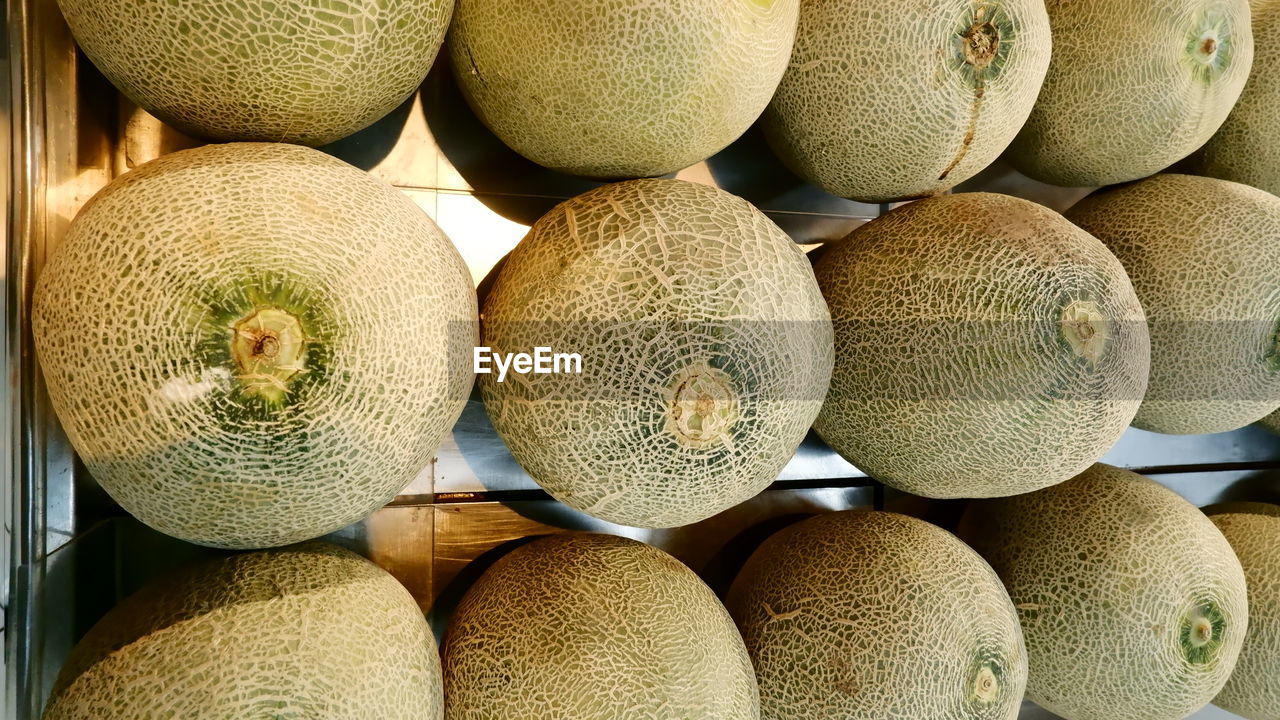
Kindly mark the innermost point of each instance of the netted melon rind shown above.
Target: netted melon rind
(1109, 571)
(953, 375)
(670, 291)
(1204, 257)
(869, 615)
(305, 71)
(1253, 691)
(595, 627)
(309, 631)
(880, 111)
(620, 88)
(128, 323)
(1131, 90)
(1272, 422)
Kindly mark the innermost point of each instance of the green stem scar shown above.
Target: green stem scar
(702, 406)
(1086, 329)
(269, 348)
(1200, 634)
(986, 686)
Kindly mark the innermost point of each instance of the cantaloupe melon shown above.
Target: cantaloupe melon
(868, 615)
(984, 347)
(705, 345)
(877, 110)
(1245, 149)
(620, 88)
(595, 627)
(306, 71)
(254, 344)
(1132, 603)
(1133, 87)
(1204, 256)
(311, 631)
(1272, 422)
(1253, 691)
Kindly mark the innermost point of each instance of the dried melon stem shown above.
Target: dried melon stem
(981, 43)
(1086, 329)
(269, 348)
(702, 406)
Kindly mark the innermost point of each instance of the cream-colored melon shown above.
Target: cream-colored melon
(984, 346)
(880, 110)
(705, 345)
(1132, 603)
(311, 631)
(306, 71)
(1133, 87)
(1245, 149)
(869, 615)
(595, 627)
(1253, 691)
(1204, 256)
(620, 88)
(254, 344)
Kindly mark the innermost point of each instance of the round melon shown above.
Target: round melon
(1245, 149)
(1253, 692)
(311, 631)
(869, 615)
(595, 627)
(1204, 256)
(1133, 87)
(620, 88)
(877, 111)
(304, 71)
(1132, 603)
(254, 344)
(984, 347)
(705, 346)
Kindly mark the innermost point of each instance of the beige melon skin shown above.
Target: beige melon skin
(879, 111)
(304, 71)
(1272, 422)
(1253, 691)
(1132, 603)
(620, 88)
(310, 631)
(148, 320)
(984, 347)
(705, 344)
(1204, 256)
(865, 615)
(1133, 87)
(594, 627)
(1245, 149)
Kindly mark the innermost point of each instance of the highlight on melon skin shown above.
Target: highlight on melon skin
(310, 631)
(1244, 149)
(1204, 257)
(1132, 603)
(302, 71)
(254, 344)
(620, 88)
(1253, 529)
(1133, 87)
(876, 109)
(864, 615)
(984, 346)
(594, 627)
(705, 346)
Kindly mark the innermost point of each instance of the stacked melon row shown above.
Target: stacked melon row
(253, 344)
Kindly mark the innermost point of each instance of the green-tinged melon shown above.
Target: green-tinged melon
(1253, 691)
(1245, 149)
(595, 627)
(254, 344)
(877, 110)
(705, 345)
(1133, 87)
(1132, 603)
(305, 71)
(869, 615)
(620, 88)
(311, 631)
(1272, 422)
(1204, 256)
(984, 346)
